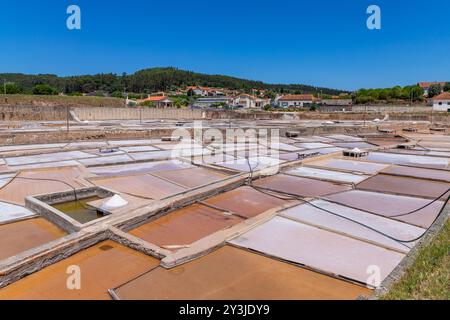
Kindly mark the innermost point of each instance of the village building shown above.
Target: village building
(211, 101)
(205, 91)
(426, 86)
(296, 101)
(247, 101)
(160, 101)
(441, 102)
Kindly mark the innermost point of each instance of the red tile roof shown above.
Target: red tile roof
(298, 97)
(442, 96)
(203, 88)
(429, 84)
(247, 96)
(156, 98)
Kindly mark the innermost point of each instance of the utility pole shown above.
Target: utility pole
(4, 86)
(67, 119)
(365, 112)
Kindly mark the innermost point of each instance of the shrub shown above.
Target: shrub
(44, 89)
(150, 104)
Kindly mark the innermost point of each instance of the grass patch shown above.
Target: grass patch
(429, 277)
(72, 101)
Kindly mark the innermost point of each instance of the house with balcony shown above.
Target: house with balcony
(247, 101)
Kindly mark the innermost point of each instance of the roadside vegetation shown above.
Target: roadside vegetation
(429, 277)
(56, 100)
(390, 95)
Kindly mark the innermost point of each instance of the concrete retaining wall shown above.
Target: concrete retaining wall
(390, 109)
(59, 113)
(408, 114)
(97, 114)
(32, 113)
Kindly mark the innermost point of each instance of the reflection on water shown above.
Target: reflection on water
(79, 210)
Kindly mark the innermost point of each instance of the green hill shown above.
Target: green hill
(150, 80)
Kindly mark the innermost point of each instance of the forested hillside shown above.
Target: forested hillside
(147, 81)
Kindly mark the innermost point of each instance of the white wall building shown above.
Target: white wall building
(206, 92)
(248, 101)
(209, 101)
(296, 101)
(441, 102)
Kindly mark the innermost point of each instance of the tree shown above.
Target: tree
(416, 93)
(219, 105)
(396, 92)
(10, 88)
(150, 104)
(117, 94)
(447, 87)
(384, 94)
(270, 95)
(434, 90)
(44, 89)
(152, 80)
(180, 101)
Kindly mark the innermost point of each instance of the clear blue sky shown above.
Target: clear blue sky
(321, 42)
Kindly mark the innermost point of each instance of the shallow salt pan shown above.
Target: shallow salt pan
(319, 249)
(139, 149)
(10, 212)
(31, 147)
(313, 215)
(130, 142)
(350, 165)
(5, 179)
(106, 160)
(140, 168)
(313, 145)
(327, 175)
(391, 205)
(255, 163)
(346, 138)
(49, 157)
(88, 144)
(69, 163)
(404, 159)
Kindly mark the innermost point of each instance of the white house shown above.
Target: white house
(296, 100)
(441, 102)
(205, 91)
(245, 100)
(248, 101)
(262, 102)
(159, 101)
